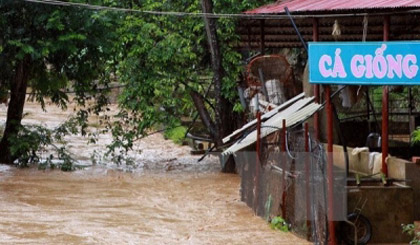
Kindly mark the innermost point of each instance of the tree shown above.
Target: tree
(172, 52)
(49, 48)
(159, 59)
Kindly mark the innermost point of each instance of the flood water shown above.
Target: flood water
(168, 198)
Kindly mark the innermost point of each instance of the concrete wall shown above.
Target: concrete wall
(412, 174)
(397, 169)
(357, 163)
(386, 208)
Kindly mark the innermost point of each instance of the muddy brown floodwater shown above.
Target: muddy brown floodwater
(168, 198)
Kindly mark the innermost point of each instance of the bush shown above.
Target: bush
(415, 137)
(176, 134)
(278, 223)
(411, 231)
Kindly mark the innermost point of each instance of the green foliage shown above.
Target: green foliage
(268, 206)
(415, 136)
(176, 134)
(158, 58)
(37, 145)
(63, 44)
(65, 48)
(164, 57)
(409, 229)
(278, 223)
(28, 142)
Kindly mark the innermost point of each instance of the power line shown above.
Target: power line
(272, 16)
(172, 13)
(74, 91)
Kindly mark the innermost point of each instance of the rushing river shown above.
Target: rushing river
(168, 198)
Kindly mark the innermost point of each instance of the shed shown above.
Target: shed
(270, 27)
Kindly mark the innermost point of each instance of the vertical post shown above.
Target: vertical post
(248, 30)
(385, 109)
(410, 102)
(410, 110)
(307, 174)
(315, 38)
(258, 134)
(257, 161)
(284, 185)
(262, 37)
(283, 143)
(330, 166)
(367, 104)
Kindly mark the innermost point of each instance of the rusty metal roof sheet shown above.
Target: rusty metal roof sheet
(332, 5)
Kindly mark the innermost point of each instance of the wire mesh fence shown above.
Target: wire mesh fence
(294, 184)
(365, 104)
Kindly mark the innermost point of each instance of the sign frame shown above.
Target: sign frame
(365, 63)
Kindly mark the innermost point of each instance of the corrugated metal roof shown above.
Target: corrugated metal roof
(294, 114)
(263, 117)
(332, 5)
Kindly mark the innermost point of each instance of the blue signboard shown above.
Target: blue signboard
(364, 63)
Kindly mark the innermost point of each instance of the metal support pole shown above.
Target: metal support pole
(257, 161)
(307, 174)
(315, 38)
(410, 110)
(284, 159)
(315, 31)
(258, 135)
(331, 226)
(367, 105)
(385, 109)
(248, 31)
(410, 102)
(283, 143)
(262, 37)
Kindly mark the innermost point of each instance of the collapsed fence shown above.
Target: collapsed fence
(288, 178)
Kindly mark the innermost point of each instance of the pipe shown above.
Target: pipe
(315, 37)
(195, 137)
(330, 173)
(385, 109)
(305, 46)
(206, 153)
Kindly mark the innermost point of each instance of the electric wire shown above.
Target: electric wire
(267, 16)
(74, 92)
